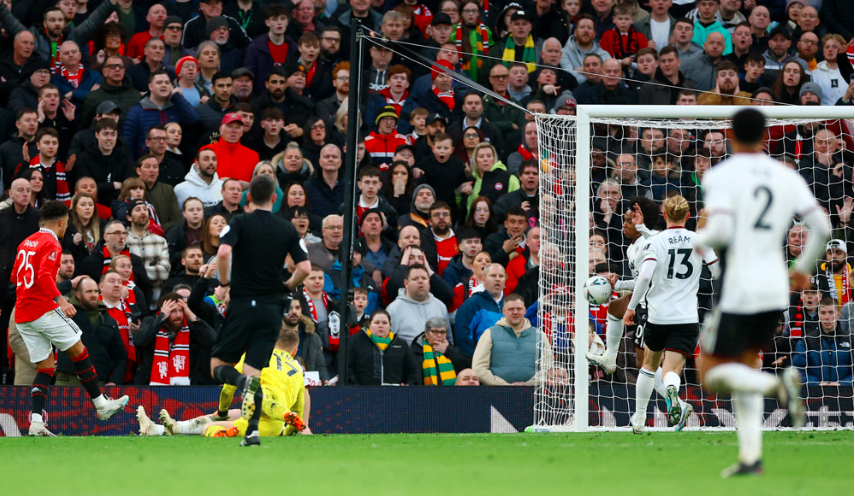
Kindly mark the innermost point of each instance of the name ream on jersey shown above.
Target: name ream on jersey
(676, 240)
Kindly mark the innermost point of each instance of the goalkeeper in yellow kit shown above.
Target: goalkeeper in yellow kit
(285, 401)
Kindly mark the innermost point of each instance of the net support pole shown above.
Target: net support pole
(580, 310)
(349, 211)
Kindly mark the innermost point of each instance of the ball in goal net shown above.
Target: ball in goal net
(591, 164)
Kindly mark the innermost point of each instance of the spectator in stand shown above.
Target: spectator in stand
(827, 74)
(218, 32)
(726, 91)
(188, 82)
(115, 87)
(659, 26)
(114, 245)
(53, 171)
(826, 359)
(191, 260)
(790, 80)
(229, 206)
(222, 102)
(155, 19)
(100, 334)
(438, 358)
(151, 248)
(527, 149)
(12, 150)
(381, 144)
(177, 338)
(442, 170)
(164, 104)
(481, 310)
(526, 197)
(296, 108)
(626, 173)
(375, 246)
(84, 217)
(72, 79)
(442, 97)
(611, 89)
(234, 160)
(415, 304)
(459, 271)
(582, 42)
(160, 195)
(669, 76)
(506, 352)
(806, 50)
(194, 30)
(26, 93)
(506, 118)
(779, 50)
(438, 241)
(324, 190)
(379, 357)
(473, 116)
(525, 262)
(323, 254)
(492, 179)
(706, 24)
(140, 73)
(187, 233)
(18, 63)
(700, 69)
(211, 231)
(201, 181)
(106, 163)
(467, 377)
(623, 41)
(173, 31)
(684, 32)
(833, 278)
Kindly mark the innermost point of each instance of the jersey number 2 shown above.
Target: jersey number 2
(672, 256)
(761, 222)
(26, 267)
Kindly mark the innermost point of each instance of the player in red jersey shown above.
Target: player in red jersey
(43, 317)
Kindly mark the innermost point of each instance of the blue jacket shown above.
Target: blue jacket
(824, 358)
(90, 78)
(145, 114)
(359, 279)
(476, 315)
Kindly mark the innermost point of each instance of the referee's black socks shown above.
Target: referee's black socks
(226, 374)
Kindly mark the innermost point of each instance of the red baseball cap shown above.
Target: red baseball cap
(231, 117)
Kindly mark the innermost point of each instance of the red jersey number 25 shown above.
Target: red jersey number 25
(25, 274)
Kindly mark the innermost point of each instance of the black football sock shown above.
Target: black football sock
(87, 374)
(253, 421)
(226, 374)
(38, 394)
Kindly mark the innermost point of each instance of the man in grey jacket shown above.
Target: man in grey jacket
(415, 305)
(581, 44)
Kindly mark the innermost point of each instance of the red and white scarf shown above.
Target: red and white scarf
(63, 194)
(526, 155)
(447, 97)
(74, 79)
(842, 294)
(334, 336)
(108, 259)
(390, 100)
(171, 363)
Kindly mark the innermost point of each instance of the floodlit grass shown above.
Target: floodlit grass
(815, 463)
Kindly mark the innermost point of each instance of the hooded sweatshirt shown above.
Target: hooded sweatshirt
(409, 316)
(194, 185)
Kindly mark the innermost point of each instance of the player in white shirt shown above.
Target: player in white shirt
(751, 200)
(668, 281)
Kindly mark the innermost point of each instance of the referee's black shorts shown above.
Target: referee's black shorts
(730, 334)
(682, 338)
(251, 326)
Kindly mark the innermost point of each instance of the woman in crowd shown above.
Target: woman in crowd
(175, 148)
(300, 218)
(211, 235)
(295, 196)
(84, 218)
(108, 42)
(376, 357)
(398, 185)
(790, 80)
(291, 166)
(492, 178)
(480, 217)
(266, 168)
(314, 138)
(464, 148)
(187, 70)
(472, 37)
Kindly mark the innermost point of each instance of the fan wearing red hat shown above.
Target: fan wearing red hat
(234, 160)
(380, 145)
(441, 98)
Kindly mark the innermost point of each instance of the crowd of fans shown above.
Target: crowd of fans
(150, 120)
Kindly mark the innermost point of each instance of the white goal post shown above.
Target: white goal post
(565, 199)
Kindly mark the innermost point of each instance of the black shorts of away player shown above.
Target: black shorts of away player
(682, 338)
(251, 327)
(730, 334)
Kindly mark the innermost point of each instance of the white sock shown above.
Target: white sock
(738, 377)
(156, 430)
(614, 333)
(749, 423)
(643, 390)
(100, 401)
(193, 426)
(671, 379)
(658, 385)
(35, 417)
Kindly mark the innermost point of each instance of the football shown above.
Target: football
(598, 290)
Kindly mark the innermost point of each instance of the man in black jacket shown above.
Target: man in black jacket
(100, 335)
(113, 245)
(106, 163)
(192, 259)
(175, 324)
(508, 243)
(526, 197)
(12, 150)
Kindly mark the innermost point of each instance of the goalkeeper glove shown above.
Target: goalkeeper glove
(294, 420)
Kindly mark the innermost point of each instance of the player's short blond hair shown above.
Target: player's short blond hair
(676, 208)
(289, 339)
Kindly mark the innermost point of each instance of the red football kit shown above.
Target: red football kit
(36, 265)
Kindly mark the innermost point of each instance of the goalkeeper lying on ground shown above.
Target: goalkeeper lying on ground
(285, 400)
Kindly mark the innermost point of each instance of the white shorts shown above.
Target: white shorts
(52, 328)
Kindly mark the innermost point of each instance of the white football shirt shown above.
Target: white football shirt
(761, 196)
(673, 294)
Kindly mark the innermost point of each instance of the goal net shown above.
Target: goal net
(591, 165)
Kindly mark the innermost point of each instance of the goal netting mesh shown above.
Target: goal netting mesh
(588, 173)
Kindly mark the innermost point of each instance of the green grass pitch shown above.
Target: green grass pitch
(610, 463)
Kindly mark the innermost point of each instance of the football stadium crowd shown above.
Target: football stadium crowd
(150, 120)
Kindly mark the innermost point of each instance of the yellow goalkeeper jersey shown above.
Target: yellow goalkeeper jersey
(281, 382)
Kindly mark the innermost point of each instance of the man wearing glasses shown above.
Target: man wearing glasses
(173, 30)
(115, 244)
(114, 88)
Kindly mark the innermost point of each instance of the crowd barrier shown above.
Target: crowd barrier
(373, 410)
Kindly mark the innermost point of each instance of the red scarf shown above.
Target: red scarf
(63, 194)
(121, 318)
(447, 97)
(54, 55)
(171, 363)
(626, 45)
(109, 258)
(526, 155)
(845, 290)
(485, 43)
(131, 300)
(311, 74)
(797, 324)
(74, 79)
(390, 100)
(334, 337)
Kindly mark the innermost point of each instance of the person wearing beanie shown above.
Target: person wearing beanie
(218, 31)
(187, 70)
(25, 94)
(195, 31)
(810, 94)
(381, 144)
(156, 17)
(173, 31)
(423, 197)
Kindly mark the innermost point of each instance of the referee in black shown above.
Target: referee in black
(254, 246)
